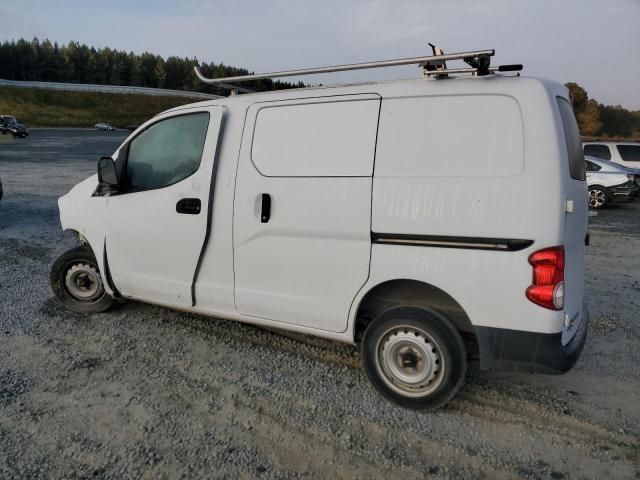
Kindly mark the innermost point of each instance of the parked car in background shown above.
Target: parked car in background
(10, 124)
(104, 126)
(626, 154)
(609, 182)
(132, 127)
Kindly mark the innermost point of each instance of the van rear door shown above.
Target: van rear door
(576, 217)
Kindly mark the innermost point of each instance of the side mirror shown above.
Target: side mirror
(107, 174)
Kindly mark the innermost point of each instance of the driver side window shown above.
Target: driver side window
(167, 152)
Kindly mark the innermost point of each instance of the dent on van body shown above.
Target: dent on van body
(85, 214)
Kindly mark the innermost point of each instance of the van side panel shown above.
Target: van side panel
(468, 168)
(450, 136)
(488, 285)
(451, 166)
(323, 139)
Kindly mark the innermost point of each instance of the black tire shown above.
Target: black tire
(598, 197)
(448, 357)
(82, 260)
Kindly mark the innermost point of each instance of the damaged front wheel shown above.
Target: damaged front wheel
(77, 284)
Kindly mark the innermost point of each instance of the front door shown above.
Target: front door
(302, 209)
(157, 223)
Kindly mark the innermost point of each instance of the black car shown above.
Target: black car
(10, 124)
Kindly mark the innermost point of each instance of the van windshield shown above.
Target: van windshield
(572, 139)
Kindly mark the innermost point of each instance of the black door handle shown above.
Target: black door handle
(190, 206)
(265, 213)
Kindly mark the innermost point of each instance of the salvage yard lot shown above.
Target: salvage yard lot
(143, 391)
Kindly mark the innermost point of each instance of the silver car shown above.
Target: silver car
(609, 182)
(104, 126)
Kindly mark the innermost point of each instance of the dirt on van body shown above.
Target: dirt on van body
(146, 392)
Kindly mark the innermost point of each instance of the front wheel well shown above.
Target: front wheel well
(81, 238)
(414, 293)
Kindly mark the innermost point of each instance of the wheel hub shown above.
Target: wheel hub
(410, 361)
(597, 198)
(83, 282)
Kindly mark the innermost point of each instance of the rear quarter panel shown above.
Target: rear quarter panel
(518, 203)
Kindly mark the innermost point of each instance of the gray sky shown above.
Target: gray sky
(595, 43)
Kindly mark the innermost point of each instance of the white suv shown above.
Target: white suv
(626, 154)
(414, 218)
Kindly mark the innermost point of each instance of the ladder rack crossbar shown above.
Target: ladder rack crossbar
(343, 68)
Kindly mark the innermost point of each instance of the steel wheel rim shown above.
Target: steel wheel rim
(596, 198)
(410, 361)
(83, 282)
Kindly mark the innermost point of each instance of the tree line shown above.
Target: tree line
(73, 62)
(598, 120)
(45, 61)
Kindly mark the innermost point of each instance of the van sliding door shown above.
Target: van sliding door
(302, 225)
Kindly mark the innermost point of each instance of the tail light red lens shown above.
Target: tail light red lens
(547, 288)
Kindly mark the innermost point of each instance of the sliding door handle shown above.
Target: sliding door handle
(190, 206)
(265, 211)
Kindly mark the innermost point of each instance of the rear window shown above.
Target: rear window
(572, 139)
(629, 153)
(598, 151)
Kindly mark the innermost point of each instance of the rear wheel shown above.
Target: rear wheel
(77, 284)
(414, 357)
(598, 197)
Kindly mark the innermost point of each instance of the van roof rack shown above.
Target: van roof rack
(435, 65)
(233, 89)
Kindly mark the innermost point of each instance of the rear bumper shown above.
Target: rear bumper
(503, 349)
(624, 192)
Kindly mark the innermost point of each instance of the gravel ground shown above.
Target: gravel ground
(146, 392)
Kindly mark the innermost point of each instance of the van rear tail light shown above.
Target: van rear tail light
(547, 288)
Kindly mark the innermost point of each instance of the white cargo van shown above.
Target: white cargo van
(426, 221)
